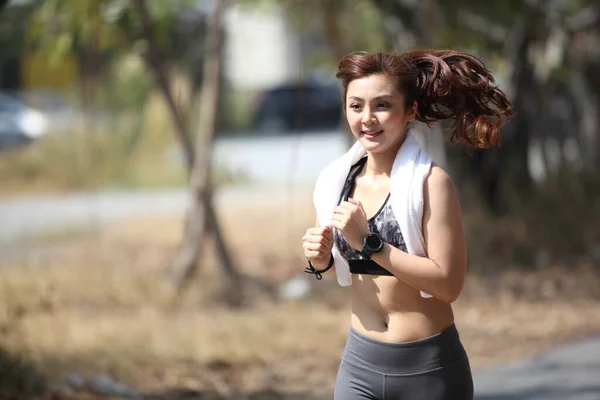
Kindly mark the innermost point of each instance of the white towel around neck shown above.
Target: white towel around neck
(411, 167)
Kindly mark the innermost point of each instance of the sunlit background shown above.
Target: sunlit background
(157, 160)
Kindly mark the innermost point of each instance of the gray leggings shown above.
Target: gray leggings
(434, 368)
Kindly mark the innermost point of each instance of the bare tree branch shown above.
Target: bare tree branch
(156, 64)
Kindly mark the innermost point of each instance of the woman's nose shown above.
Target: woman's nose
(368, 117)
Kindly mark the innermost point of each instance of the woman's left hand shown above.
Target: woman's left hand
(350, 219)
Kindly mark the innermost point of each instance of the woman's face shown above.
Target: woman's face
(376, 113)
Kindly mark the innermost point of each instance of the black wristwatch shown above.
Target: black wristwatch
(372, 243)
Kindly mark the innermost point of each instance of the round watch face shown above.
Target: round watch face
(373, 242)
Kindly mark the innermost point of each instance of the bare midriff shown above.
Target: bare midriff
(386, 309)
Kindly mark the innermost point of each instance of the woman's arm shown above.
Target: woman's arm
(442, 272)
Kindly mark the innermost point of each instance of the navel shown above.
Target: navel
(386, 321)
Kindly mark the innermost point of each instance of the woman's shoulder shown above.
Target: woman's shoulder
(439, 182)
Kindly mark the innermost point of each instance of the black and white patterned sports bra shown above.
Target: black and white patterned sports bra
(383, 222)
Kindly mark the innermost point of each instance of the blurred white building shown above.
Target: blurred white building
(262, 49)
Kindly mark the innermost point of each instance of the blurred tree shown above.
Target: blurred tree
(545, 55)
(145, 26)
(529, 39)
(12, 33)
(202, 218)
(101, 28)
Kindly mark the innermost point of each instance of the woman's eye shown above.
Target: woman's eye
(355, 106)
(383, 105)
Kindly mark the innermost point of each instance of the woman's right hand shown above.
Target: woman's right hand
(317, 244)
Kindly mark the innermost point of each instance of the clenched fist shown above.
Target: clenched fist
(350, 219)
(317, 244)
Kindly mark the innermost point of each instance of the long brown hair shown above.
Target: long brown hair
(446, 84)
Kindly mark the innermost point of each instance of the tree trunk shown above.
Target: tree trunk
(515, 146)
(86, 156)
(499, 172)
(339, 48)
(155, 63)
(202, 218)
(592, 117)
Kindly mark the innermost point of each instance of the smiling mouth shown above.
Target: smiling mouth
(372, 133)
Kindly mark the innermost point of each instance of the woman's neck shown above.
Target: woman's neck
(380, 164)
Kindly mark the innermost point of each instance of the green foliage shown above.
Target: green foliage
(126, 87)
(19, 378)
(59, 25)
(13, 30)
(236, 113)
(122, 150)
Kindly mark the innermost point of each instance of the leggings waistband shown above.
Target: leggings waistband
(404, 358)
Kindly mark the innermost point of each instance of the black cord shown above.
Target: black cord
(319, 273)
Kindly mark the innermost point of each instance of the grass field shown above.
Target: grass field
(101, 303)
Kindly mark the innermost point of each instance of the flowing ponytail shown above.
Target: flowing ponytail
(446, 84)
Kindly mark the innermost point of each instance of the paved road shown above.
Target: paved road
(571, 372)
(27, 216)
(271, 162)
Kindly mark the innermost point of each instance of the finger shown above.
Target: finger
(326, 240)
(320, 230)
(327, 230)
(337, 224)
(348, 207)
(314, 232)
(341, 217)
(321, 240)
(308, 231)
(312, 255)
(337, 219)
(314, 238)
(341, 209)
(358, 205)
(355, 202)
(318, 247)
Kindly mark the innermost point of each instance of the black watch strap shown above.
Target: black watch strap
(368, 250)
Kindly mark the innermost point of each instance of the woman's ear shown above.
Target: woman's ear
(412, 113)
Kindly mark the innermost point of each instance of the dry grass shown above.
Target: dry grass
(100, 303)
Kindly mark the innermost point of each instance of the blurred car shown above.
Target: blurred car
(60, 114)
(63, 114)
(298, 107)
(19, 123)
